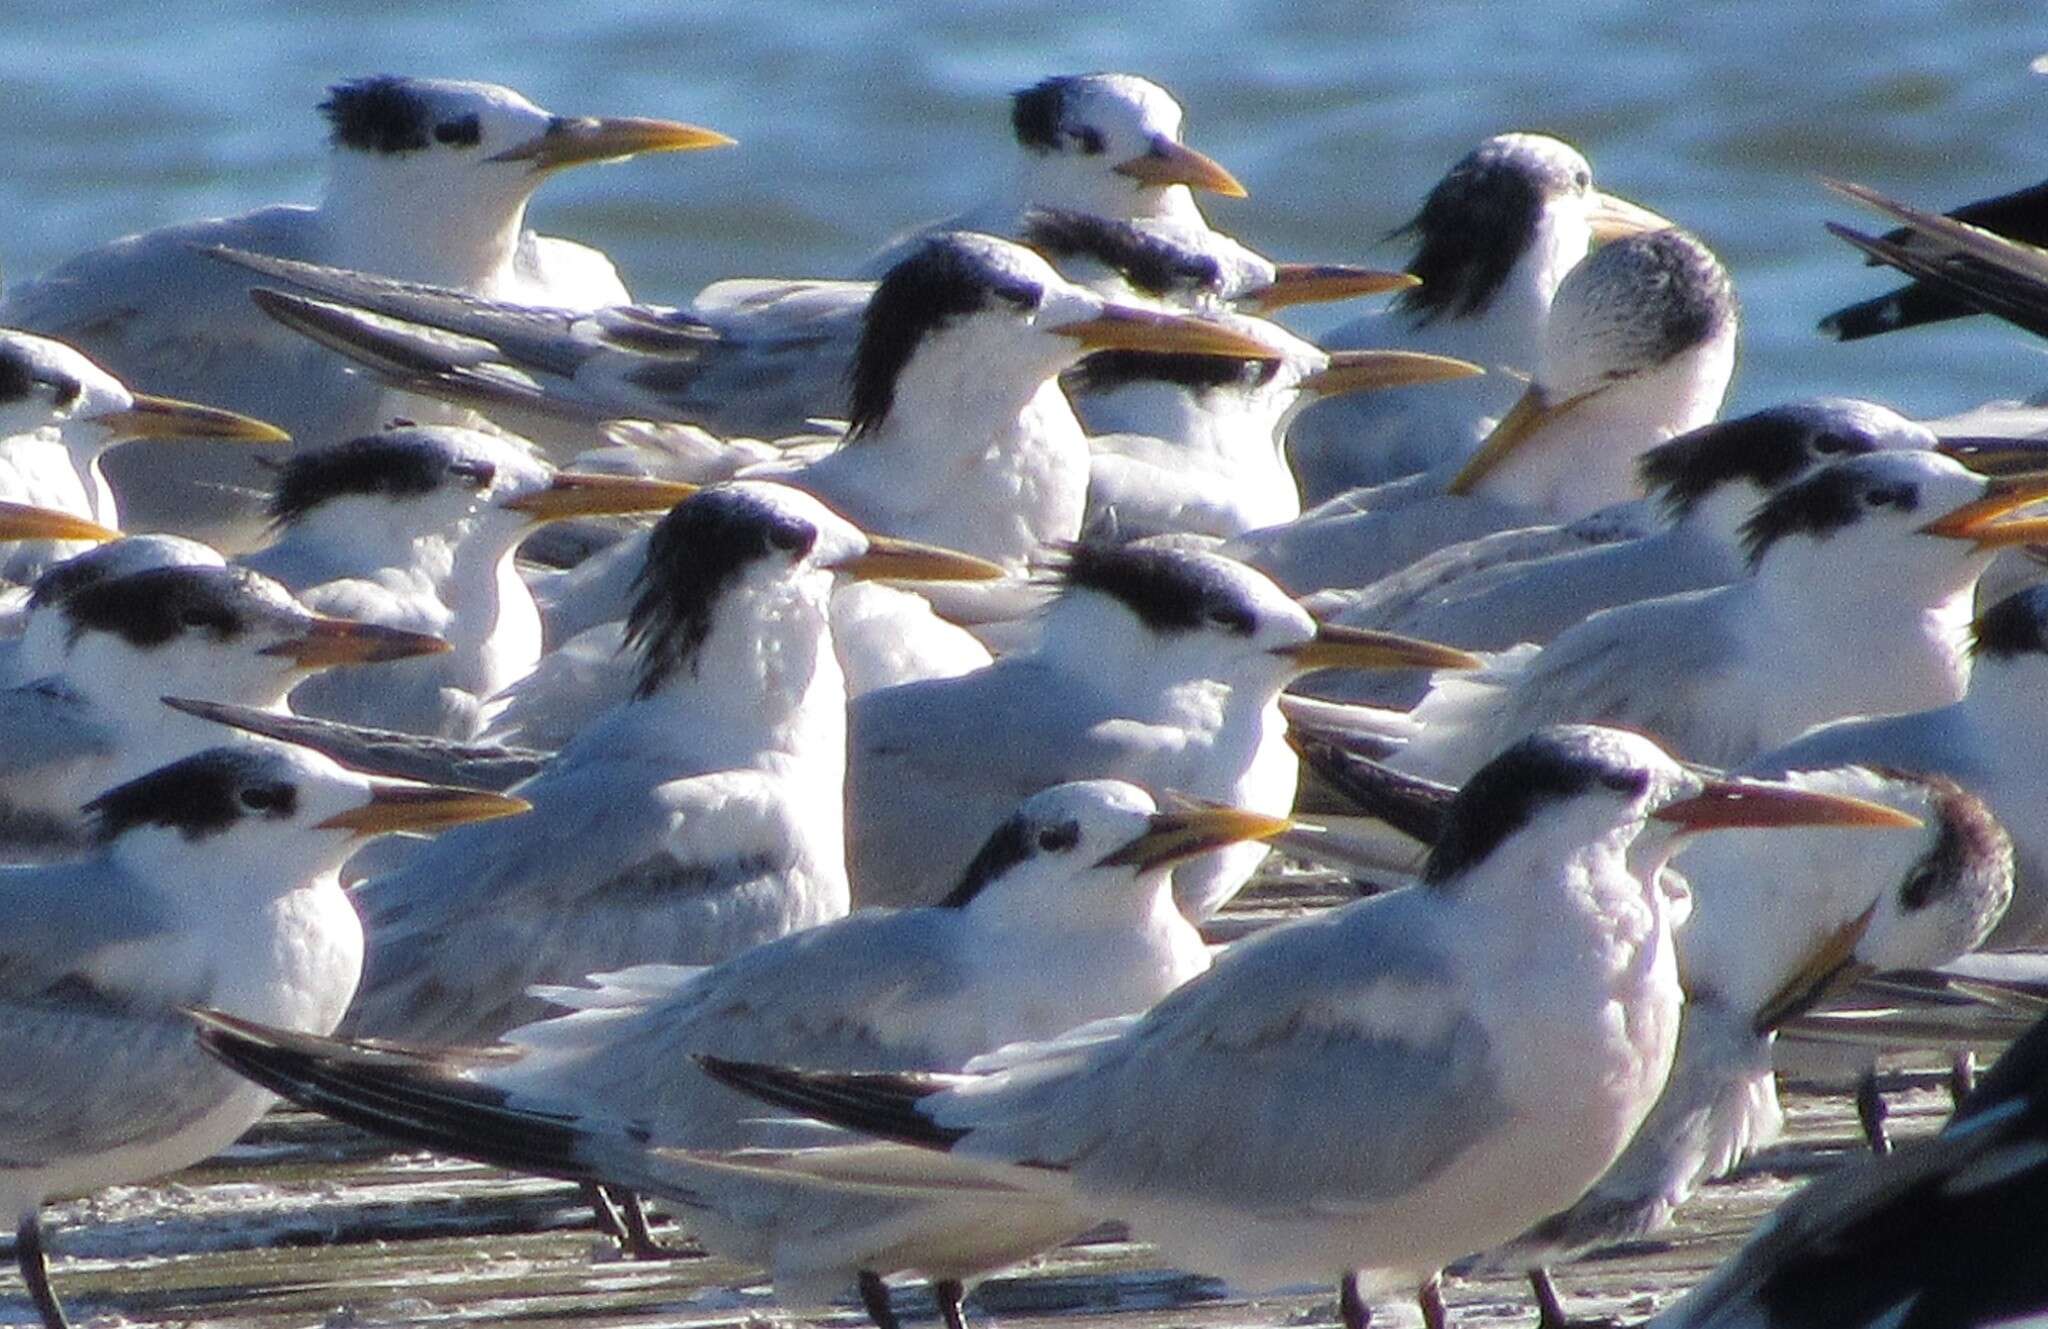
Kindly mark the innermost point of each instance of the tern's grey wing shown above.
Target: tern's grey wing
(55, 920)
(1337, 1055)
(381, 751)
(1648, 666)
(611, 868)
(875, 991)
(44, 725)
(934, 766)
(97, 1074)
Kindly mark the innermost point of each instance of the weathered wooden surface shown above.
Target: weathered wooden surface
(309, 1223)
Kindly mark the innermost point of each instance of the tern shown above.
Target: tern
(697, 818)
(213, 884)
(1857, 603)
(32, 633)
(59, 413)
(1066, 915)
(428, 181)
(1493, 240)
(1779, 922)
(1191, 444)
(1947, 1231)
(1532, 584)
(1638, 347)
(1155, 665)
(417, 528)
(1371, 1093)
(120, 643)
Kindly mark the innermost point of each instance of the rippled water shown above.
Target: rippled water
(856, 120)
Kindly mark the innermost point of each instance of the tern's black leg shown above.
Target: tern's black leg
(1871, 1111)
(607, 1215)
(1962, 1077)
(949, 1293)
(1550, 1307)
(1430, 1297)
(35, 1271)
(1352, 1310)
(874, 1298)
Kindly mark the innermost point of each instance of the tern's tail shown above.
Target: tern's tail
(410, 1094)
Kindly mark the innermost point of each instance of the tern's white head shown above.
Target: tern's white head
(1152, 613)
(1783, 919)
(1092, 849)
(45, 639)
(1716, 475)
(429, 178)
(737, 584)
(969, 327)
(267, 817)
(220, 633)
(428, 488)
(1570, 789)
(1639, 346)
(1504, 226)
(48, 389)
(1109, 144)
(1914, 527)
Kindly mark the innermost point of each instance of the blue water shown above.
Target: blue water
(856, 120)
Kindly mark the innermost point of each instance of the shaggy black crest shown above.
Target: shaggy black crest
(1169, 590)
(701, 547)
(940, 281)
(1020, 837)
(1826, 501)
(1766, 448)
(149, 608)
(1105, 371)
(1037, 112)
(19, 377)
(1151, 263)
(2016, 625)
(1473, 228)
(390, 465)
(384, 113)
(199, 796)
(1510, 791)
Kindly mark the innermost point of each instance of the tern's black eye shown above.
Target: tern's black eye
(268, 798)
(1582, 179)
(1058, 839)
(462, 133)
(1234, 619)
(200, 616)
(1829, 445)
(1903, 497)
(478, 474)
(1629, 784)
(1088, 139)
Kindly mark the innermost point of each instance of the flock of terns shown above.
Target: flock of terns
(826, 858)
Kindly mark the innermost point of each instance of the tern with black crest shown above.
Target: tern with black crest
(213, 883)
(428, 181)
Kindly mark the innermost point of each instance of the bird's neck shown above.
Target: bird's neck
(493, 623)
(397, 223)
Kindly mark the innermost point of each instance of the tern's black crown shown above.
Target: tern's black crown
(199, 796)
(151, 607)
(1765, 448)
(383, 113)
(1512, 790)
(1168, 589)
(400, 464)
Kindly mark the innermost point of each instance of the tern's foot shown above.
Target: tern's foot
(1871, 1111)
(35, 1271)
(874, 1298)
(1352, 1310)
(949, 1293)
(1550, 1309)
